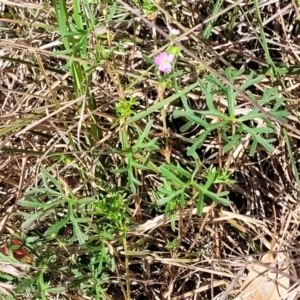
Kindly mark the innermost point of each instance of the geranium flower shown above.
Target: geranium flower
(173, 32)
(163, 61)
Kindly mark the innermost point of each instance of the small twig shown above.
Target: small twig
(234, 282)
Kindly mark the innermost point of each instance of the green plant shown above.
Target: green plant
(133, 142)
(53, 196)
(147, 6)
(76, 216)
(232, 127)
(143, 147)
(181, 188)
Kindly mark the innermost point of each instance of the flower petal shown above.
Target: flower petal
(165, 68)
(157, 60)
(170, 57)
(164, 55)
(160, 58)
(172, 30)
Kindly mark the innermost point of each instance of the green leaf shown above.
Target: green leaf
(81, 237)
(56, 290)
(119, 171)
(231, 97)
(200, 204)
(33, 203)
(47, 176)
(86, 200)
(186, 126)
(261, 130)
(177, 168)
(139, 166)
(183, 96)
(175, 50)
(31, 218)
(57, 226)
(151, 145)
(233, 142)
(212, 79)
(281, 114)
(174, 194)
(172, 244)
(190, 115)
(208, 95)
(144, 134)
(211, 178)
(253, 147)
(218, 198)
(266, 143)
(251, 81)
(172, 221)
(147, 59)
(83, 220)
(112, 12)
(197, 143)
(252, 115)
(9, 259)
(256, 138)
(170, 176)
(215, 113)
(106, 235)
(182, 200)
(42, 285)
(159, 105)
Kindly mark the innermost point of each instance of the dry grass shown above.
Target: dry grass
(48, 121)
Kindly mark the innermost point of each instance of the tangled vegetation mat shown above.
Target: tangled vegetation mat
(149, 149)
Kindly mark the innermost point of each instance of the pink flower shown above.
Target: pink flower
(163, 61)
